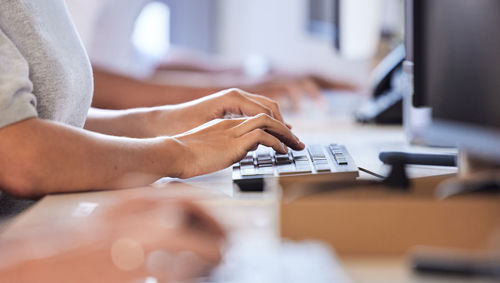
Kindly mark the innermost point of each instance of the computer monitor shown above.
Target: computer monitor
(324, 20)
(457, 71)
(416, 112)
(414, 41)
(353, 27)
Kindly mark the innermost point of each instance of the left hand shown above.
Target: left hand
(176, 119)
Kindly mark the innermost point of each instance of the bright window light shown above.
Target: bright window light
(151, 35)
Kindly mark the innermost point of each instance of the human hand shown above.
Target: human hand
(291, 89)
(130, 241)
(180, 241)
(172, 120)
(223, 142)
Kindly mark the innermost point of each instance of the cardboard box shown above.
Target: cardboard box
(378, 220)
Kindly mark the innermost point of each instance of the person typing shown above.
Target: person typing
(51, 141)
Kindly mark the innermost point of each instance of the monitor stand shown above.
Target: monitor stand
(469, 166)
(474, 176)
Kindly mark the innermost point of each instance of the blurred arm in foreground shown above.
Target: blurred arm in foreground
(130, 241)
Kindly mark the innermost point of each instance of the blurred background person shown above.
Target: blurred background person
(154, 52)
(182, 243)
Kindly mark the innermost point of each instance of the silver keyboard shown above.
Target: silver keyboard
(326, 162)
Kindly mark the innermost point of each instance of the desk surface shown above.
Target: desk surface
(250, 214)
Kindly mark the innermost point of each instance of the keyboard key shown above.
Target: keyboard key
(317, 152)
(265, 171)
(296, 154)
(277, 155)
(320, 161)
(282, 156)
(314, 158)
(264, 157)
(283, 159)
(247, 166)
(248, 172)
(300, 155)
(246, 162)
(342, 161)
(302, 162)
(301, 158)
(265, 165)
(338, 155)
(336, 150)
(303, 169)
(322, 167)
(265, 162)
(286, 169)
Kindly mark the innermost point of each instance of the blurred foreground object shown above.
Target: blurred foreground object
(132, 240)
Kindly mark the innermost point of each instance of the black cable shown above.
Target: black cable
(371, 173)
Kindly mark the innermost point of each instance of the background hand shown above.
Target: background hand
(290, 90)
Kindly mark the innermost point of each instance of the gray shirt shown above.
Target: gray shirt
(44, 70)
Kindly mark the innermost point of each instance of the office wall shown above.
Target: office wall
(277, 30)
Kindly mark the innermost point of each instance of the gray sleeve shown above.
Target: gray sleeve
(17, 102)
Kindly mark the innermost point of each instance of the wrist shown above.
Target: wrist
(150, 119)
(171, 157)
(145, 122)
(155, 121)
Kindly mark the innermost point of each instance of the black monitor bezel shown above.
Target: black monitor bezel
(420, 98)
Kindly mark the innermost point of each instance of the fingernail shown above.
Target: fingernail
(297, 139)
(284, 147)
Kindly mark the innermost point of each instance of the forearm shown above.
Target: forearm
(114, 91)
(41, 157)
(60, 256)
(133, 123)
(196, 65)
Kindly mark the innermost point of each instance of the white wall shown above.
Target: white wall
(277, 30)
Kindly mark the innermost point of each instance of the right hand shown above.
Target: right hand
(221, 143)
